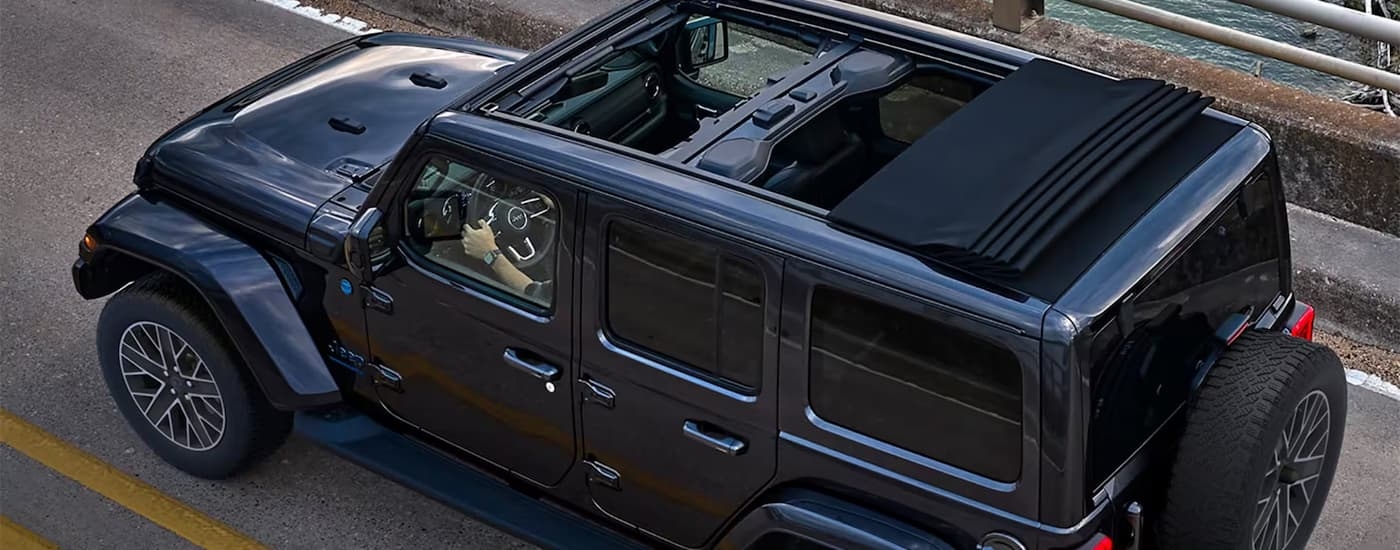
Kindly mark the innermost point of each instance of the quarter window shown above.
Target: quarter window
(489, 229)
(687, 302)
(915, 383)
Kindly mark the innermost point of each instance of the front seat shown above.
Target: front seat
(818, 164)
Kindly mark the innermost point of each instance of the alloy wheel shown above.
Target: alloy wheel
(172, 386)
(1290, 485)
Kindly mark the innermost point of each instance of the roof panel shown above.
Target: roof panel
(995, 184)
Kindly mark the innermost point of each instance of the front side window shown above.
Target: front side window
(915, 383)
(496, 231)
(686, 301)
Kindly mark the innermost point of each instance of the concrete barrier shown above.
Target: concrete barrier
(1337, 159)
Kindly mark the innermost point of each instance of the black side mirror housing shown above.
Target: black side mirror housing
(358, 245)
(706, 43)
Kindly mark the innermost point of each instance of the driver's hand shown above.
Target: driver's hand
(477, 241)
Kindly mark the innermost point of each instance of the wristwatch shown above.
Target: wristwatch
(490, 256)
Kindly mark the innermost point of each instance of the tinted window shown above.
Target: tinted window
(1139, 381)
(491, 230)
(916, 383)
(687, 302)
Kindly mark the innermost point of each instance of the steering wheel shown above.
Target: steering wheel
(524, 220)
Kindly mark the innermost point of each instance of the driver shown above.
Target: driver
(480, 242)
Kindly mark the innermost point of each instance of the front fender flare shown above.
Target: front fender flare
(236, 281)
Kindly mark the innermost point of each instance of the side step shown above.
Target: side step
(364, 441)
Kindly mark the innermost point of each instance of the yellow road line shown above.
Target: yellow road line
(134, 494)
(14, 536)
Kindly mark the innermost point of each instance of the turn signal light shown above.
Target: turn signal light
(87, 246)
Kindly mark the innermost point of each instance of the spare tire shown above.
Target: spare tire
(1259, 448)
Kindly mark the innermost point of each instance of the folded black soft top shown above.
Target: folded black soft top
(990, 188)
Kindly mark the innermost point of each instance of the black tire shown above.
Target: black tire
(1225, 462)
(252, 428)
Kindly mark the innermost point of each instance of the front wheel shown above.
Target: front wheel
(179, 382)
(1260, 447)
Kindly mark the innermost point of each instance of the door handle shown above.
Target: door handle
(378, 300)
(602, 474)
(714, 439)
(593, 392)
(531, 364)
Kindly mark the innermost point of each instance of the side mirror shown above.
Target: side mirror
(707, 42)
(360, 246)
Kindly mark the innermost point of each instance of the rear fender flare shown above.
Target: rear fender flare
(826, 520)
(238, 283)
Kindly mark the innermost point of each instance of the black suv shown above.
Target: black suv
(782, 273)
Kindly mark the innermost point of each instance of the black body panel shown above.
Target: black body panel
(240, 285)
(270, 155)
(1138, 257)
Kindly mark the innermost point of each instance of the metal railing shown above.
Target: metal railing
(1016, 15)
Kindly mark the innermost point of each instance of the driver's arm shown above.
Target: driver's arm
(507, 273)
(480, 240)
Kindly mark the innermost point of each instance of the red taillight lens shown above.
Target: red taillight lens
(1304, 327)
(1104, 544)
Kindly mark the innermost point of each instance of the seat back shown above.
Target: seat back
(818, 163)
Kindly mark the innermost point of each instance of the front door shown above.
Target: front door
(471, 321)
(679, 350)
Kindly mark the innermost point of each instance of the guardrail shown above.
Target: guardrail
(1016, 15)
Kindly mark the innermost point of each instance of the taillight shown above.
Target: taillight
(1303, 328)
(1104, 544)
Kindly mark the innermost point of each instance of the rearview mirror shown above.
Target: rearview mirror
(707, 41)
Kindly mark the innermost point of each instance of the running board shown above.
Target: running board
(364, 441)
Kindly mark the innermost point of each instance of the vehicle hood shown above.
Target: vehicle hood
(269, 155)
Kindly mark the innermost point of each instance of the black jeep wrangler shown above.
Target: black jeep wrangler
(782, 273)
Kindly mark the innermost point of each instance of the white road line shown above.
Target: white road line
(1373, 383)
(347, 24)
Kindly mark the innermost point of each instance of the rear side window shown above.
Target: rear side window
(915, 383)
(687, 302)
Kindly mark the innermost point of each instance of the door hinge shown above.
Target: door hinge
(385, 377)
(378, 300)
(593, 392)
(603, 475)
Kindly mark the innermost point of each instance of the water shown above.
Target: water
(1235, 16)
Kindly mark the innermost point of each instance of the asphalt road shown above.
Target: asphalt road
(84, 86)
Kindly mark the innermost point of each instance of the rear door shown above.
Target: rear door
(679, 352)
